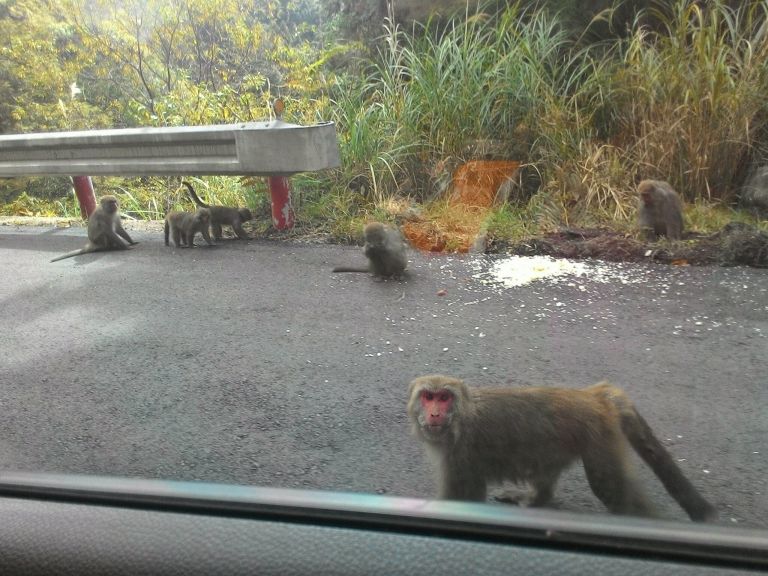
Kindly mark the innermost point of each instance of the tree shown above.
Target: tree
(40, 57)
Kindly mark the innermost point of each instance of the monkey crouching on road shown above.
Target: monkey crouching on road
(477, 436)
(385, 249)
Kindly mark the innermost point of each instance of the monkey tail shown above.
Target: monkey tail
(655, 455)
(350, 269)
(70, 254)
(195, 198)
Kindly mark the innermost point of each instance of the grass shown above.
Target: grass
(706, 217)
(511, 223)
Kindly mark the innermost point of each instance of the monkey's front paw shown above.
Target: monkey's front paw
(516, 497)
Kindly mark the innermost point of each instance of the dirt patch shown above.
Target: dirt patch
(59, 222)
(736, 244)
(455, 228)
(41, 221)
(577, 243)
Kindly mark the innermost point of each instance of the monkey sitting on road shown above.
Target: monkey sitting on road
(661, 212)
(221, 215)
(104, 230)
(385, 249)
(184, 225)
(478, 436)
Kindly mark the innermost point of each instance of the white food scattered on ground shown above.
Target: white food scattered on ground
(520, 270)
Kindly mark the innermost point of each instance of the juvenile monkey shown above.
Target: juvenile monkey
(104, 230)
(385, 249)
(661, 212)
(184, 225)
(221, 215)
(477, 436)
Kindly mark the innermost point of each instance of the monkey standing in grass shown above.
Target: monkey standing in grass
(661, 212)
(104, 230)
(222, 215)
(385, 249)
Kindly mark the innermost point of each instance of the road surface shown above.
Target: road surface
(252, 363)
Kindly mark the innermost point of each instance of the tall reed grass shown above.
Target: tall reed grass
(680, 97)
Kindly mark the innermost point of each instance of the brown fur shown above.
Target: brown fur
(532, 434)
(183, 226)
(223, 215)
(661, 212)
(385, 249)
(104, 230)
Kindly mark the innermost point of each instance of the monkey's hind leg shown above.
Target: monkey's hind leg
(544, 489)
(240, 231)
(177, 236)
(611, 478)
(539, 493)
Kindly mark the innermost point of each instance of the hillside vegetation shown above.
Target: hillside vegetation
(683, 100)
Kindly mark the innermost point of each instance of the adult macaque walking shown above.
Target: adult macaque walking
(223, 215)
(104, 230)
(385, 249)
(184, 225)
(477, 436)
(661, 212)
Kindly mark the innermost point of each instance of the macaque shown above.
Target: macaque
(104, 230)
(385, 249)
(184, 225)
(477, 436)
(661, 212)
(221, 215)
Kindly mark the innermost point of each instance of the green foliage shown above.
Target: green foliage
(680, 97)
(40, 58)
(694, 96)
(195, 62)
(511, 222)
(479, 84)
(704, 216)
(683, 101)
(152, 198)
(26, 205)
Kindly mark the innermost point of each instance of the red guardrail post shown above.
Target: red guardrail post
(280, 187)
(282, 211)
(85, 196)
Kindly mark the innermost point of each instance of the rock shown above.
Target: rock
(754, 194)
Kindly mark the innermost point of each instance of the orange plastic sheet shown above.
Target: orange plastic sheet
(476, 183)
(475, 186)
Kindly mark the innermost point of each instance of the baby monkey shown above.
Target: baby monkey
(104, 230)
(385, 249)
(223, 215)
(184, 225)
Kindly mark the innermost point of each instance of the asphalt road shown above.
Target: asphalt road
(252, 363)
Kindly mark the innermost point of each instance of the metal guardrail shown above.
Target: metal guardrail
(273, 148)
